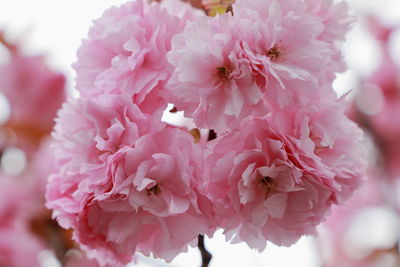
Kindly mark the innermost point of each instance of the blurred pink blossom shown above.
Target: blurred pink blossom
(33, 90)
(18, 204)
(375, 104)
(378, 100)
(34, 93)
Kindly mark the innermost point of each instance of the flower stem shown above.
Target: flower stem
(205, 255)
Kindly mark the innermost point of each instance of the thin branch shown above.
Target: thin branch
(11, 47)
(205, 255)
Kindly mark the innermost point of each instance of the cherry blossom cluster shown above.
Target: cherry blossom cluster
(259, 76)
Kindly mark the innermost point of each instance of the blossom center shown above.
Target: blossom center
(154, 190)
(224, 73)
(267, 185)
(274, 53)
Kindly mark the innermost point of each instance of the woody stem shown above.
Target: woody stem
(205, 255)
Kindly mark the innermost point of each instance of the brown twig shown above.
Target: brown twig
(205, 255)
(11, 47)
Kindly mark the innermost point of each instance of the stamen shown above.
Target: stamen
(267, 185)
(211, 135)
(156, 190)
(196, 134)
(224, 73)
(274, 53)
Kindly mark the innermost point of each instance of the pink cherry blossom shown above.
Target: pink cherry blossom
(18, 203)
(334, 15)
(22, 196)
(336, 236)
(22, 209)
(224, 72)
(126, 181)
(34, 93)
(385, 80)
(368, 195)
(19, 247)
(28, 83)
(13, 194)
(125, 52)
(331, 143)
(277, 178)
(378, 99)
(209, 87)
(285, 41)
(337, 22)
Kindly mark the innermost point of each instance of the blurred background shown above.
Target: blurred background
(38, 44)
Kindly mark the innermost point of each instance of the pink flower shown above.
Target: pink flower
(34, 92)
(341, 241)
(368, 195)
(224, 72)
(284, 44)
(21, 204)
(276, 179)
(22, 209)
(125, 52)
(209, 83)
(335, 17)
(40, 166)
(379, 98)
(126, 181)
(337, 22)
(14, 199)
(18, 204)
(19, 247)
(331, 143)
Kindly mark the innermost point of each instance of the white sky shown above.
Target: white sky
(56, 28)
